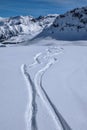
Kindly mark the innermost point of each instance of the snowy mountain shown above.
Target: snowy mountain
(69, 26)
(19, 25)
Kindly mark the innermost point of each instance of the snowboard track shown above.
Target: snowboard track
(37, 88)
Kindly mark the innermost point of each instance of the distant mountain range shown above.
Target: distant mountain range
(69, 26)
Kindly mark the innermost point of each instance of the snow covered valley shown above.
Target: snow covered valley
(43, 86)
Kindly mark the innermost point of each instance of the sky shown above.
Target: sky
(37, 7)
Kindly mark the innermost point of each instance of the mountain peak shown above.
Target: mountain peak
(69, 26)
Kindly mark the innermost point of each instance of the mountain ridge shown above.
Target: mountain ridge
(20, 25)
(69, 26)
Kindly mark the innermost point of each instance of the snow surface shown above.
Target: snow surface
(43, 86)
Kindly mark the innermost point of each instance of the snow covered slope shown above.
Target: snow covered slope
(69, 26)
(23, 25)
(43, 87)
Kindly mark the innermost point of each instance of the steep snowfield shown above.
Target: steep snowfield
(69, 26)
(44, 87)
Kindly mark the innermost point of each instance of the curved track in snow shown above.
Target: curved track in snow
(31, 111)
(47, 58)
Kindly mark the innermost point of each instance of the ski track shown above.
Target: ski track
(35, 60)
(31, 111)
(35, 87)
(61, 124)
